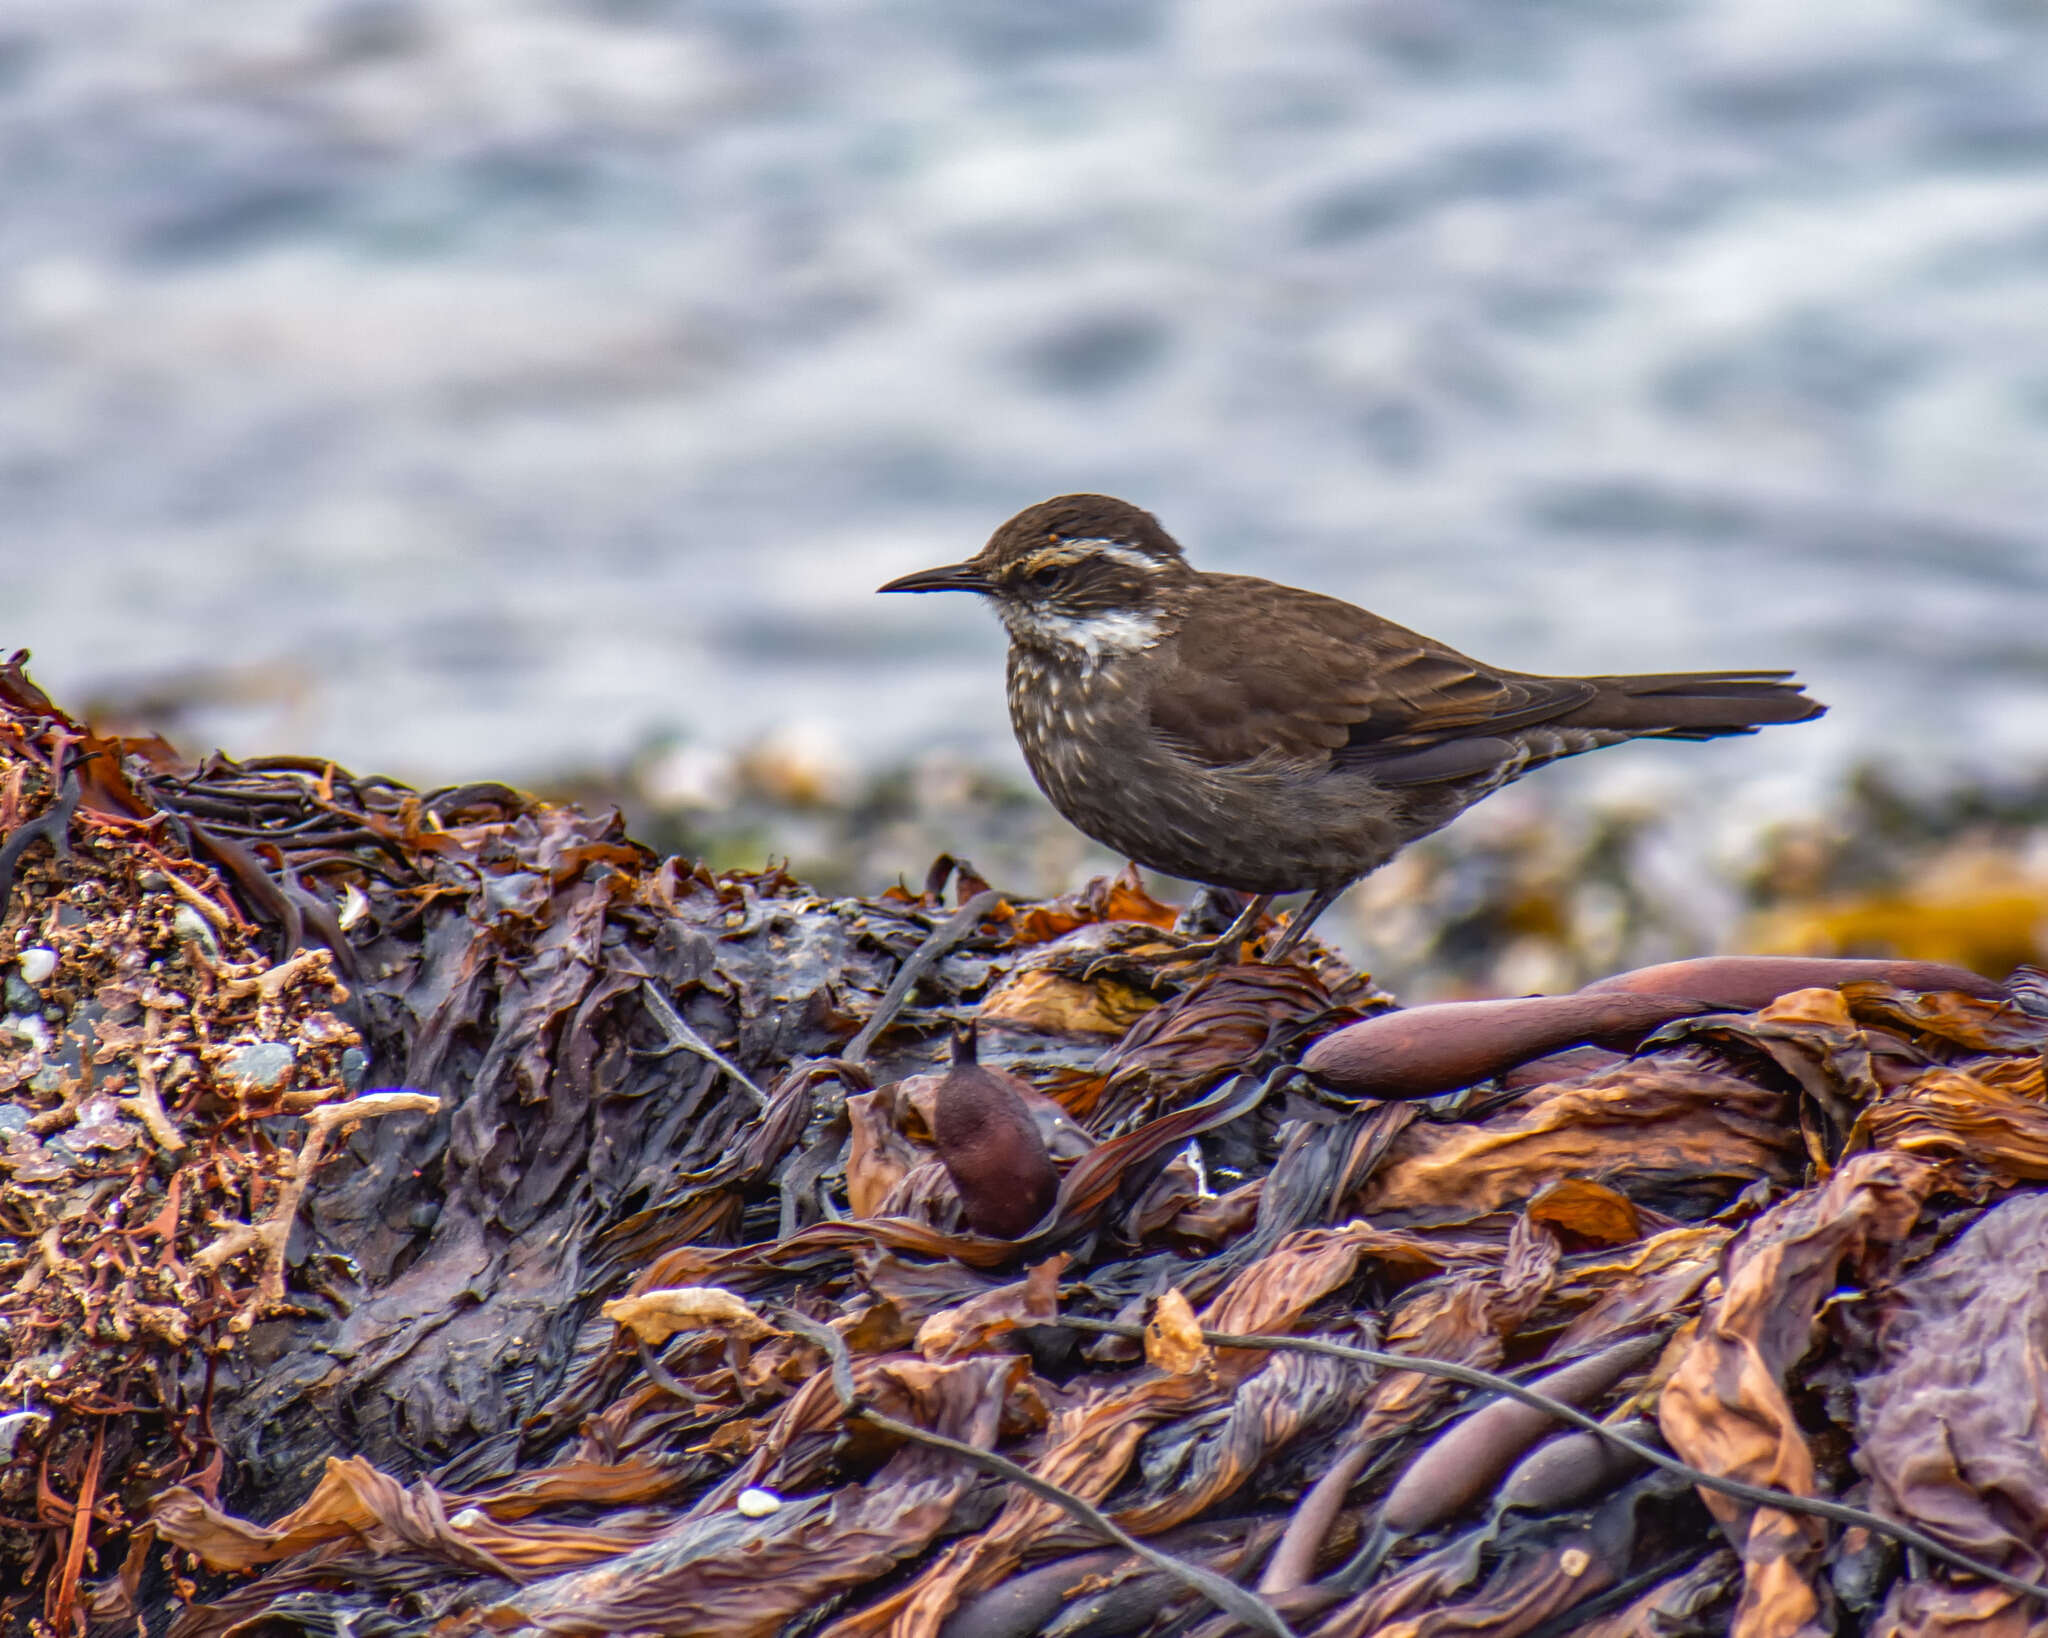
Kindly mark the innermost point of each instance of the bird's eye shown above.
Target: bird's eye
(1046, 578)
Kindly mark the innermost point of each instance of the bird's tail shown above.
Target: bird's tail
(1693, 704)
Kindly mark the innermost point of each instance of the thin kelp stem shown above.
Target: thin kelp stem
(1757, 1495)
(682, 1038)
(927, 955)
(1225, 1594)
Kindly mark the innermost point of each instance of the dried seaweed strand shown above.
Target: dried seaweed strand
(209, 912)
(67, 1587)
(1225, 1594)
(147, 1105)
(927, 955)
(685, 1039)
(1757, 1495)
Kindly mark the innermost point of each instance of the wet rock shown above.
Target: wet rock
(19, 995)
(355, 1068)
(262, 1066)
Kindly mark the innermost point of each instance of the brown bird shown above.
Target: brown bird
(990, 1145)
(1249, 735)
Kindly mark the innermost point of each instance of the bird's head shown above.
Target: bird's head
(1087, 574)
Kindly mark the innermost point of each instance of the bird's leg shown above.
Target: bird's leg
(1303, 919)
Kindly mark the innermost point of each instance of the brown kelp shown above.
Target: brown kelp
(432, 1212)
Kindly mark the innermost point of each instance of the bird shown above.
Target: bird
(990, 1146)
(1236, 732)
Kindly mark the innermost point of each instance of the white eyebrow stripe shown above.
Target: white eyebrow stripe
(1118, 552)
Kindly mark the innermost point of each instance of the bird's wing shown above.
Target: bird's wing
(1265, 670)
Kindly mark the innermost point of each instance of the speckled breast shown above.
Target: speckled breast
(1087, 736)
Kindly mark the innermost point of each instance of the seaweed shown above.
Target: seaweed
(433, 1212)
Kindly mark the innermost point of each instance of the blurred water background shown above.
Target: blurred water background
(537, 389)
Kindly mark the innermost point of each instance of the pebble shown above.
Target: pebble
(755, 1503)
(37, 964)
(192, 927)
(19, 996)
(355, 1068)
(262, 1066)
(13, 1118)
(30, 1028)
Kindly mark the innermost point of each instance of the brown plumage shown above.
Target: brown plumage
(990, 1146)
(1250, 735)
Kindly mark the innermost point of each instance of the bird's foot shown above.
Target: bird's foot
(1209, 955)
(1205, 956)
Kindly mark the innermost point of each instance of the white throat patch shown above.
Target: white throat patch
(1116, 631)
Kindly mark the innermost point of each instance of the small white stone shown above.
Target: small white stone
(191, 926)
(37, 964)
(755, 1503)
(469, 1518)
(31, 1029)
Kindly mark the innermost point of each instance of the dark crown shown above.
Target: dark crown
(1081, 517)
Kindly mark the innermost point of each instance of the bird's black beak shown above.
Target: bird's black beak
(948, 577)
